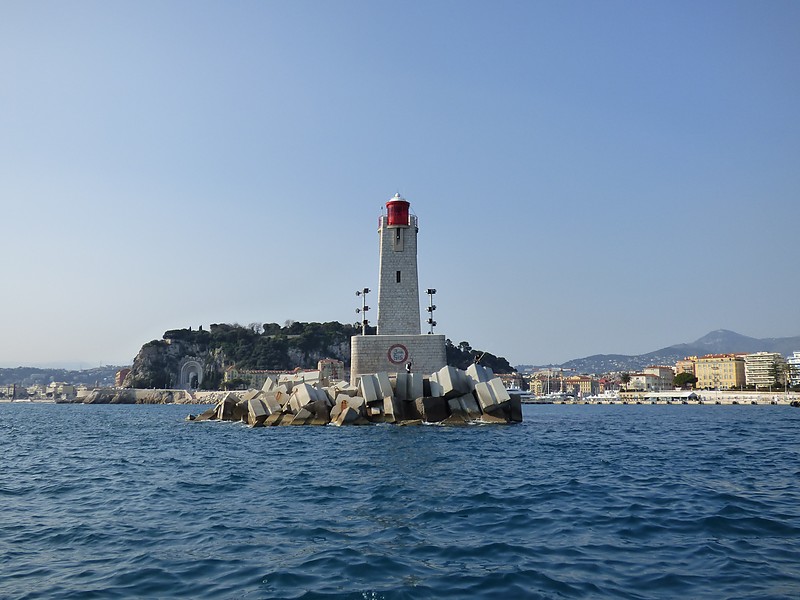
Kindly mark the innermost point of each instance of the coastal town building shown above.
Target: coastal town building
(398, 344)
(581, 385)
(247, 378)
(720, 371)
(793, 363)
(643, 382)
(12, 391)
(328, 370)
(665, 376)
(687, 365)
(765, 370)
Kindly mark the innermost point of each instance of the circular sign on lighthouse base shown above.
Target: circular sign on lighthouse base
(397, 354)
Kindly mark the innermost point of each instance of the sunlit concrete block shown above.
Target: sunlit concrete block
(416, 384)
(479, 373)
(384, 385)
(499, 390)
(346, 417)
(485, 397)
(257, 412)
(369, 388)
(270, 383)
(391, 410)
(453, 382)
(401, 386)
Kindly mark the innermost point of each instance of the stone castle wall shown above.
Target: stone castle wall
(390, 353)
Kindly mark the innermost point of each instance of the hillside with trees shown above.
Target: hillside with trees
(267, 346)
(464, 355)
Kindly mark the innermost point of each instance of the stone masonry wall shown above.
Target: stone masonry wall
(398, 303)
(390, 353)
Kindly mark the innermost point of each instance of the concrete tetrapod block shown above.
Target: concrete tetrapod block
(479, 373)
(384, 385)
(270, 400)
(240, 411)
(470, 406)
(225, 407)
(432, 409)
(416, 386)
(282, 396)
(391, 410)
(250, 394)
(401, 386)
(339, 404)
(359, 404)
(346, 388)
(485, 397)
(499, 390)
(209, 415)
(465, 381)
(453, 382)
(321, 410)
(301, 418)
(276, 418)
(435, 388)
(257, 412)
(515, 409)
(369, 388)
(347, 416)
(455, 408)
(322, 396)
(270, 383)
(304, 394)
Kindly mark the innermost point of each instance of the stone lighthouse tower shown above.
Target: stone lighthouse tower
(398, 288)
(398, 344)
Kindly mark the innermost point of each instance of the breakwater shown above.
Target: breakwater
(449, 396)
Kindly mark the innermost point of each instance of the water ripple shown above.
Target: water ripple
(631, 502)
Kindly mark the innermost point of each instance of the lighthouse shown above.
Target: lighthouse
(398, 344)
(398, 287)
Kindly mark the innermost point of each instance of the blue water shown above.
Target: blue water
(576, 502)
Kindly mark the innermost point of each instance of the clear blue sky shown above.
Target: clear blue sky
(589, 177)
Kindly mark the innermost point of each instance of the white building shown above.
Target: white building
(665, 375)
(794, 368)
(764, 369)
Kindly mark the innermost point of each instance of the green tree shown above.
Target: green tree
(625, 378)
(684, 379)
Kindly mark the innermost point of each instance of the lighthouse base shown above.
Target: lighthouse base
(391, 354)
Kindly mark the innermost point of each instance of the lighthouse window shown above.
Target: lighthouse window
(398, 277)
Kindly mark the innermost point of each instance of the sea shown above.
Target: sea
(578, 501)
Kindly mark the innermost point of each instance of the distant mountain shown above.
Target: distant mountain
(26, 376)
(715, 342)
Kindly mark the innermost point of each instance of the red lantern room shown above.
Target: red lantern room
(397, 212)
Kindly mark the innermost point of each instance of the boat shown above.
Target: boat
(607, 397)
(524, 397)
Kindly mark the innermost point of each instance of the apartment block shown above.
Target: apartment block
(765, 369)
(720, 371)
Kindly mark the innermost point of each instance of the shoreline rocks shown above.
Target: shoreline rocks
(448, 397)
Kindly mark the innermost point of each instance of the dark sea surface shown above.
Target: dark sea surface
(576, 502)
